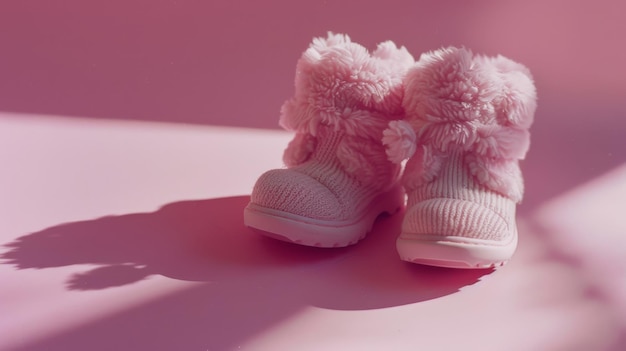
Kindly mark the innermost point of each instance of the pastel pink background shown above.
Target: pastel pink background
(131, 133)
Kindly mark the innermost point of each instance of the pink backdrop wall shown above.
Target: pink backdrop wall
(197, 61)
(232, 62)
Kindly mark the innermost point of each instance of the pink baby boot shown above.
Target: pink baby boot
(337, 179)
(466, 127)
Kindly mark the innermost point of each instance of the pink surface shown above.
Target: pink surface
(119, 232)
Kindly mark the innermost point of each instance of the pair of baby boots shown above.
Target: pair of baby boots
(377, 131)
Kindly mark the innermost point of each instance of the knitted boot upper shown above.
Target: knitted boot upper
(466, 128)
(344, 98)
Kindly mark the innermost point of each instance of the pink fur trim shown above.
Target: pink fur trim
(299, 149)
(340, 84)
(399, 140)
(517, 104)
(480, 105)
(498, 175)
(422, 168)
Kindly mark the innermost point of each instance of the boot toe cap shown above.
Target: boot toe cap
(457, 218)
(296, 193)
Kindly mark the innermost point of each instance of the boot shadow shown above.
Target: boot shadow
(206, 241)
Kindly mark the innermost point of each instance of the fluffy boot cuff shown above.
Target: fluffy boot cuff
(340, 84)
(477, 105)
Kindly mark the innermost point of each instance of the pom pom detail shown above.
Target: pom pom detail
(399, 140)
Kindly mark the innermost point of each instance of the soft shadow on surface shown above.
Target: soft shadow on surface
(251, 281)
(206, 241)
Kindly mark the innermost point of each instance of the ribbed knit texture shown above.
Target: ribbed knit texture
(320, 188)
(455, 204)
(344, 98)
(466, 128)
